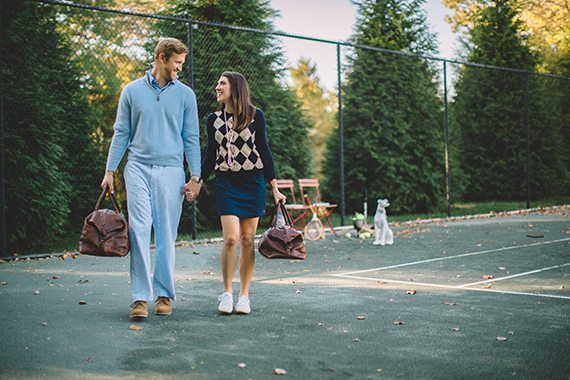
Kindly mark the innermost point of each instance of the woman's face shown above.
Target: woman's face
(223, 90)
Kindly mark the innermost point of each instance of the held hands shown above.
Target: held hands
(191, 190)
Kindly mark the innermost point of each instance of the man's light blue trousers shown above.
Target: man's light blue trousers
(154, 199)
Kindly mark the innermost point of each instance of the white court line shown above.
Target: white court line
(464, 286)
(514, 275)
(413, 283)
(457, 256)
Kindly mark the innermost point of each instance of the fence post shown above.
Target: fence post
(527, 128)
(446, 126)
(194, 220)
(3, 237)
(340, 137)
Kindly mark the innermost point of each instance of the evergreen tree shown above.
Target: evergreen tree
(392, 114)
(489, 113)
(47, 152)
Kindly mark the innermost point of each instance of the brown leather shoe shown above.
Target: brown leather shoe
(139, 309)
(163, 306)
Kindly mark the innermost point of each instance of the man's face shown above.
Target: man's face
(172, 66)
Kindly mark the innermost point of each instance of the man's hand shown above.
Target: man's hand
(191, 190)
(108, 181)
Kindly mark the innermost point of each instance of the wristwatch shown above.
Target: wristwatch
(197, 179)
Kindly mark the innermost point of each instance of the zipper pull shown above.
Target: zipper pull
(158, 97)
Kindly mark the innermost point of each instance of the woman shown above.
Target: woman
(239, 154)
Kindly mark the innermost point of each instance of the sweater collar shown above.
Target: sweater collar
(154, 83)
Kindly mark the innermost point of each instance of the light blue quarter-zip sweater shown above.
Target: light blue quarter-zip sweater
(156, 125)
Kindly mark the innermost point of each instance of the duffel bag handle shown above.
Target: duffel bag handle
(113, 200)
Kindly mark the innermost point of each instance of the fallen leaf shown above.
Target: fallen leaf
(4, 283)
(195, 253)
(55, 277)
(561, 287)
(83, 281)
(361, 317)
(398, 322)
(501, 338)
(135, 327)
(242, 365)
(511, 333)
(279, 371)
(455, 329)
(449, 303)
(356, 340)
(487, 286)
(297, 291)
(534, 236)
(44, 323)
(83, 302)
(488, 276)
(411, 291)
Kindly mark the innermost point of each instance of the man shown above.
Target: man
(157, 122)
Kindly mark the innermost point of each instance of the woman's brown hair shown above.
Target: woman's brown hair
(241, 105)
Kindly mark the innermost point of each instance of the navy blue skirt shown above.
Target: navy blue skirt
(243, 197)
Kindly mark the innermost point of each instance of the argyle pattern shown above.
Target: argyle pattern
(242, 146)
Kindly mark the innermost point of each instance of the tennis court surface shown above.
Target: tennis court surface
(478, 298)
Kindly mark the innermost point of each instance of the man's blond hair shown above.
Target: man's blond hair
(169, 46)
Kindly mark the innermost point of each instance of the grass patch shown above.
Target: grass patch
(466, 208)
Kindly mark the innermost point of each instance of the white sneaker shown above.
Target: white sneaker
(226, 303)
(242, 306)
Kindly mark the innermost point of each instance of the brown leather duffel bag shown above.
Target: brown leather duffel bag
(105, 232)
(281, 240)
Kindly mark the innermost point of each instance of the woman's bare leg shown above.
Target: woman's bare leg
(247, 253)
(231, 233)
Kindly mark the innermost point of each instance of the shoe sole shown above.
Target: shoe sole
(163, 313)
(138, 316)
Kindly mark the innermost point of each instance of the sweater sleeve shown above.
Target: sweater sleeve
(263, 146)
(191, 135)
(209, 160)
(122, 131)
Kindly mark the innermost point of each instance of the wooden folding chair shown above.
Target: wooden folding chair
(309, 188)
(298, 211)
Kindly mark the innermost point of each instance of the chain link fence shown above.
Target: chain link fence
(420, 166)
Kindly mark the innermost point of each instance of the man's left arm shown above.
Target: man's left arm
(191, 141)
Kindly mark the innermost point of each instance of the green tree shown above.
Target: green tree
(318, 105)
(546, 23)
(489, 113)
(48, 151)
(392, 114)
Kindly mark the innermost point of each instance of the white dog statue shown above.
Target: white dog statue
(382, 232)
